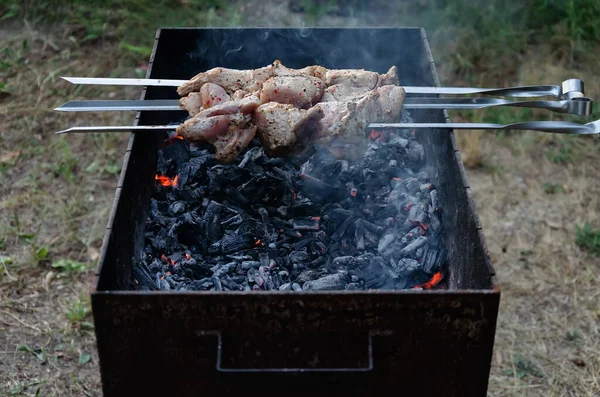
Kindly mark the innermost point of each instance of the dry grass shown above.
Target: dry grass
(55, 198)
(55, 194)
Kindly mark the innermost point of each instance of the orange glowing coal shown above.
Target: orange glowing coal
(166, 181)
(431, 283)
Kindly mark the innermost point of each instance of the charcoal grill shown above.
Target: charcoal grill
(353, 343)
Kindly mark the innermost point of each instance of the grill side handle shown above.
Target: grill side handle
(333, 352)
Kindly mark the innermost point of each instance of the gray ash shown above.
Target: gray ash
(317, 223)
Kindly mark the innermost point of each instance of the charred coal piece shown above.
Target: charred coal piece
(247, 265)
(330, 282)
(341, 230)
(376, 275)
(308, 223)
(359, 235)
(413, 246)
(142, 279)
(351, 262)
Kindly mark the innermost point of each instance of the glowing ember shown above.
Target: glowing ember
(187, 256)
(164, 258)
(173, 139)
(353, 192)
(431, 283)
(397, 179)
(166, 181)
(374, 135)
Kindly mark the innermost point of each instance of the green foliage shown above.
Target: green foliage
(552, 188)
(572, 335)
(577, 20)
(489, 36)
(78, 310)
(41, 253)
(588, 238)
(68, 266)
(84, 358)
(523, 368)
(39, 353)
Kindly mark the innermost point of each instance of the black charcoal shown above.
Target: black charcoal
(261, 223)
(330, 282)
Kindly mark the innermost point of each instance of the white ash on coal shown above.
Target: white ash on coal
(261, 223)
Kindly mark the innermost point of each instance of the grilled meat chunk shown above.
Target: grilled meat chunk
(344, 123)
(389, 78)
(280, 126)
(343, 93)
(213, 94)
(192, 103)
(230, 134)
(352, 77)
(246, 105)
(229, 79)
(210, 95)
(298, 90)
(228, 127)
(251, 80)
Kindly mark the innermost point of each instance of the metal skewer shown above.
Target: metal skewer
(569, 89)
(560, 127)
(578, 106)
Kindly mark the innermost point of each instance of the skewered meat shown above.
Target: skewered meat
(298, 90)
(246, 105)
(352, 77)
(343, 92)
(347, 120)
(192, 103)
(278, 98)
(389, 78)
(212, 94)
(251, 80)
(280, 126)
(228, 127)
(228, 133)
(229, 79)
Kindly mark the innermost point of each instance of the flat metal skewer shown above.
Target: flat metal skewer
(578, 106)
(560, 127)
(572, 88)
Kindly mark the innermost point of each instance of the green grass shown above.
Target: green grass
(588, 239)
(131, 23)
(78, 310)
(523, 368)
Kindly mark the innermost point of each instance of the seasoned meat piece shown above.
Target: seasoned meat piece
(245, 105)
(230, 79)
(352, 77)
(230, 134)
(226, 126)
(299, 90)
(192, 103)
(389, 78)
(209, 128)
(281, 125)
(314, 70)
(237, 138)
(343, 93)
(212, 94)
(344, 123)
